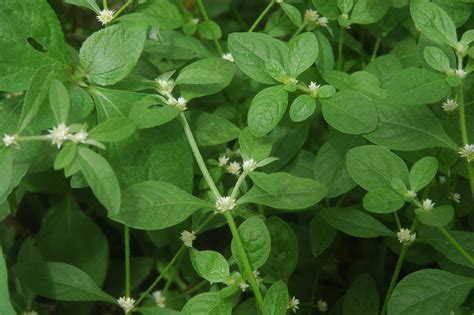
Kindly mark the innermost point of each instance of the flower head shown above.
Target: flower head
(449, 105)
(322, 21)
(311, 16)
(195, 21)
(228, 57)
(188, 238)
(160, 300)
(234, 168)
(243, 285)
(9, 140)
(126, 303)
(455, 197)
(225, 203)
(223, 160)
(105, 16)
(165, 87)
(467, 152)
(428, 204)
(314, 88)
(460, 73)
(461, 48)
(442, 179)
(409, 194)
(258, 279)
(289, 80)
(293, 304)
(405, 236)
(322, 306)
(59, 134)
(249, 165)
(179, 103)
(79, 137)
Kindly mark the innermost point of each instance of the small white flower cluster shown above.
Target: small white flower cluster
(61, 133)
(450, 105)
(467, 152)
(165, 88)
(428, 204)
(314, 88)
(405, 236)
(322, 306)
(228, 57)
(30, 313)
(312, 17)
(9, 140)
(188, 238)
(225, 203)
(126, 303)
(234, 168)
(460, 73)
(455, 197)
(180, 103)
(105, 16)
(293, 304)
(258, 279)
(249, 166)
(243, 285)
(409, 194)
(160, 300)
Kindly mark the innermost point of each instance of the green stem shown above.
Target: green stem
(202, 8)
(171, 278)
(245, 261)
(313, 290)
(464, 136)
(33, 138)
(456, 245)
(339, 48)
(236, 189)
(397, 220)
(303, 25)
(395, 275)
(198, 156)
(260, 17)
(127, 260)
(105, 4)
(190, 291)
(376, 48)
(122, 8)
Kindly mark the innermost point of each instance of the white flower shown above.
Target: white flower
(455, 197)
(30, 313)
(188, 238)
(293, 304)
(243, 285)
(323, 21)
(195, 21)
(461, 48)
(467, 152)
(223, 160)
(105, 16)
(442, 179)
(311, 16)
(405, 236)
(59, 134)
(225, 203)
(234, 168)
(449, 105)
(322, 306)
(79, 137)
(314, 88)
(9, 140)
(165, 87)
(410, 194)
(249, 165)
(460, 73)
(126, 303)
(160, 300)
(228, 57)
(153, 35)
(256, 275)
(279, 1)
(180, 103)
(290, 80)
(428, 204)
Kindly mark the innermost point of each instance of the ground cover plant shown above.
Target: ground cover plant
(236, 157)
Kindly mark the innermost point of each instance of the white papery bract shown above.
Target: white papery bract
(105, 16)
(126, 303)
(467, 152)
(188, 238)
(406, 236)
(225, 203)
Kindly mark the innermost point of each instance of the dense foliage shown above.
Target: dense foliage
(236, 157)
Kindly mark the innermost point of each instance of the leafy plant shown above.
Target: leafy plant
(190, 157)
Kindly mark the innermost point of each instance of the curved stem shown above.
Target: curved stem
(301, 28)
(202, 8)
(122, 8)
(464, 136)
(395, 275)
(340, 47)
(127, 260)
(236, 189)
(376, 48)
(456, 245)
(260, 17)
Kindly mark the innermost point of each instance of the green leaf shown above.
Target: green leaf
(100, 177)
(35, 96)
(266, 110)
(75, 236)
(6, 169)
(302, 53)
(252, 50)
(59, 281)
(409, 128)
(153, 205)
(429, 291)
(91, 4)
(210, 129)
(362, 298)
(373, 167)
(325, 60)
(321, 235)
(302, 108)
(162, 14)
(210, 265)
(368, 11)
(205, 77)
(113, 130)
(256, 241)
(210, 303)
(382, 201)
(422, 173)
(416, 86)
(354, 222)
(31, 38)
(284, 250)
(5, 305)
(176, 45)
(437, 217)
(345, 5)
(252, 147)
(436, 58)
(59, 101)
(293, 13)
(276, 299)
(350, 112)
(433, 21)
(110, 54)
(288, 193)
(210, 30)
